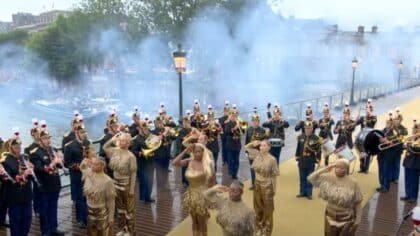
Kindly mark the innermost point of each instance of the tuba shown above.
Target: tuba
(153, 142)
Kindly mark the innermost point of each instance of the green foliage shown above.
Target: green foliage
(16, 37)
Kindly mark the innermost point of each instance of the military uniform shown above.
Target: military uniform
(49, 190)
(233, 145)
(145, 170)
(132, 129)
(223, 138)
(75, 152)
(162, 157)
(401, 132)
(308, 153)
(184, 132)
(368, 121)
(276, 131)
(18, 196)
(385, 162)
(213, 132)
(344, 129)
(325, 132)
(36, 200)
(300, 125)
(102, 153)
(411, 165)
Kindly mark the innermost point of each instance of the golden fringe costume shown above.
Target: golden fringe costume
(266, 171)
(235, 218)
(124, 165)
(344, 198)
(100, 196)
(194, 201)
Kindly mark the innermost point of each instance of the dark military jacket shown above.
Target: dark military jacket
(19, 192)
(29, 148)
(102, 142)
(251, 131)
(164, 151)
(367, 121)
(68, 137)
(276, 128)
(74, 154)
(325, 126)
(233, 138)
(132, 129)
(137, 145)
(213, 137)
(48, 177)
(222, 124)
(308, 150)
(412, 158)
(401, 132)
(388, 154)
(344, 129)
(300, 125)
(197, 121)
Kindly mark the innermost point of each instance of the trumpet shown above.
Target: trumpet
(243, 125)
(174, 132)
(391, 143)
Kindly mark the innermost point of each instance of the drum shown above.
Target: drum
(276, 142)
(345, 152)
(328, 147)
(367, 141)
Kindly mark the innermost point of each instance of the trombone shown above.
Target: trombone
(391, 143)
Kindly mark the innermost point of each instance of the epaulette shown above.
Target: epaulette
(68, 143)
(3, 157)
(66, 134)
(33, 150)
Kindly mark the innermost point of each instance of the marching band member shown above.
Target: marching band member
(233, 142)
(386, 157)
(309, 117)
(233, 215)
(18, 189)
(222, 121)
(111, 130)
(100, 195)
(163, 154)
(343, 196)
(124, 166)
(75, 152)
(212, 130)
(197, 119)
(145, 164)
(136, 122)
(276, 125)
(367, 121)
(35, 130)
(253, 133)
(200, 175)
(46, 163)
(308, 154)
(344, 128)
(70, 136)
(184, 132)
(411, 165)
(266, 172)
(3, 203)
(401, 132)
(325, 125)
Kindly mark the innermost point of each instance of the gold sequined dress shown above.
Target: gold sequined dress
(195, 202)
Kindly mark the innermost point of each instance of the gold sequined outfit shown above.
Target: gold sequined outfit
(344, 197)
(266, 171)
(100, 195)
(235, 218)
(195, 202)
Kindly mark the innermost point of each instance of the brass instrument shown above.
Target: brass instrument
(243, 125)
(153, 142)
(174, 132)
(391, 143)
(309, 146)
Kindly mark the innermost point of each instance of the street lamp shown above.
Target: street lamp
(180, 64)
(354, 64)
(400, 67)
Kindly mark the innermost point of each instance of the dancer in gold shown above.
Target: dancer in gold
(124, 165)
(200, 175)
(100, 195)
(343, 196)
(235, 218)
(266, 171)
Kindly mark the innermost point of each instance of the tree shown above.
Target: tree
(17, 37)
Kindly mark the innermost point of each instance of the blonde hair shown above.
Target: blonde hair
(125, 136)
(207, 160)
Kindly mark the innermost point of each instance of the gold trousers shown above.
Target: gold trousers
(339, 223)
(97, 224)
(125, 206)
(199, 224)
(264, 207)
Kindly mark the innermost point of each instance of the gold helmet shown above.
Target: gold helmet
(326, 109)
(255, 116)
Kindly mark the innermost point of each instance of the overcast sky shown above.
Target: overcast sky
(346, 13)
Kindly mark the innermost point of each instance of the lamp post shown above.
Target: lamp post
(180, 63)
(400, 67)
(354, 64)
